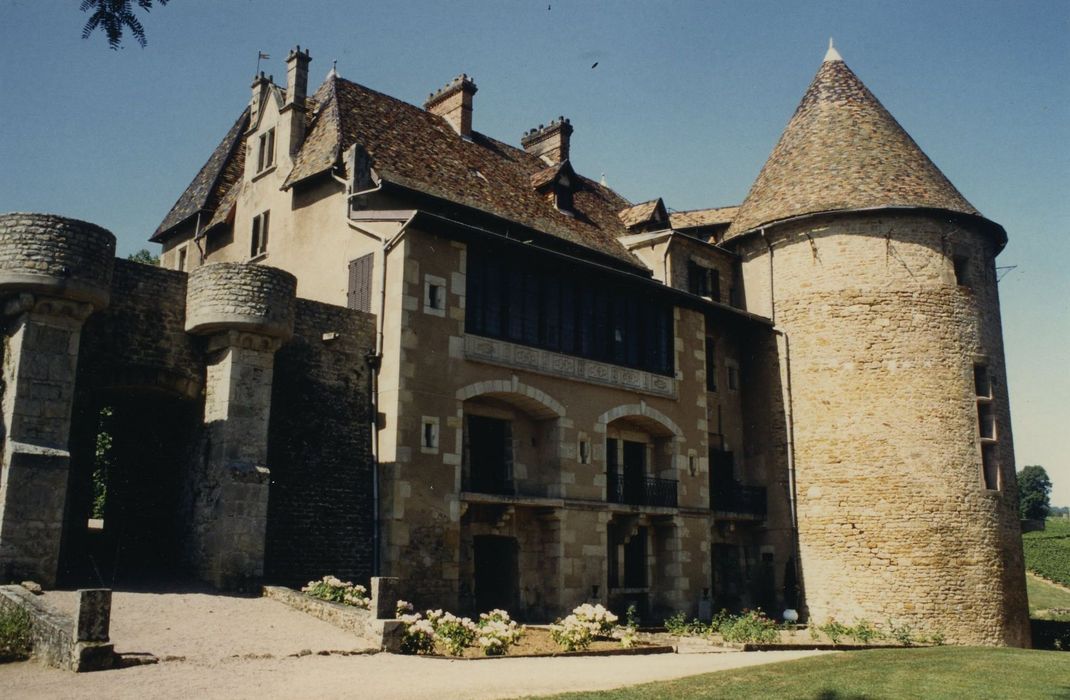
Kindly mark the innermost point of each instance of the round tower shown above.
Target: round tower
(881, 279)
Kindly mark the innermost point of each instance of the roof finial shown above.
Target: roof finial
(832, 54)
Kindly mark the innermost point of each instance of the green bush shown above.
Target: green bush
(1047, 552)
(16, 641)
(750, 627)
(834, 630)
(864, 633)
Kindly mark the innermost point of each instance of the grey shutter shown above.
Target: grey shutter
(360, 283)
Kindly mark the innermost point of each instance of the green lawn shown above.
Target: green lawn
(1044, 596)
(930, 673)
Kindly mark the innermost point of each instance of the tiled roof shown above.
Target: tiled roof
(843, 150)
(639, 213)
(413, 148)
(695, 218)
(215, 179)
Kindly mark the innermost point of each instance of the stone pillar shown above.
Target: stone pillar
(246, 312)
(53, 273)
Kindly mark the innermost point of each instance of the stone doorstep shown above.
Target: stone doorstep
(55, 635)
(385, 634)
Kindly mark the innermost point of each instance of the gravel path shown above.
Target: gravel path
(214, 646)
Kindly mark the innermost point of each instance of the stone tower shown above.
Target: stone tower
(881, 279)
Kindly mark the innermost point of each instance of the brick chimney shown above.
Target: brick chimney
(293, 110)
(454, 104)
(549, 142)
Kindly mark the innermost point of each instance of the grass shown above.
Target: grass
(15, 640)
(1047, 552)
(1043, 597)
(930, 673)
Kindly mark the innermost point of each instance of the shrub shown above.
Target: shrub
(676, 624)
(334, 590)
(903, 634)
(497, 632)
(863, 632)
(455, 633)
(596, 615)
(573, 634)
(834, 630)
(750, 627)
(629, 635)
(16, 641)
(419, 636)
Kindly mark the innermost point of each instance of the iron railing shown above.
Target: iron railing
(640, 490)
(737, 498)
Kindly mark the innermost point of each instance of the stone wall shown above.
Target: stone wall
(895, 521)
(236, 296)
(320, 514)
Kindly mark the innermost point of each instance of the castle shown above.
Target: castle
(384, 342)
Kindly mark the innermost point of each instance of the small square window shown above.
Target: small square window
(434, 295)
(429, 435)
(585, 452)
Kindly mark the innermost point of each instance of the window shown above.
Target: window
(579, 312)
(429, 435)
(962, 276)
(711, 362)
(585, 452)
(181, 263)
(265, 153)
(733, 377)
(434, 295)
(986, 426)
(703, 281)
(258, 245)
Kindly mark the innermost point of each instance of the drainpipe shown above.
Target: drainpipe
(374, 361)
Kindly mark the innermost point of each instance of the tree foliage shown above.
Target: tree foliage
(145, 257)
(114, 17)
(1034, 492)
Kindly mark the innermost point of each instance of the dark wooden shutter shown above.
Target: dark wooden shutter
(360, 283)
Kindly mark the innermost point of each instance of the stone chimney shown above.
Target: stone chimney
(261, 84)
(296, 90)
(454, 104)
(549, 142)
(297, 77)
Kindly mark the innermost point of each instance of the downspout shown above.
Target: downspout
(665, 263)
(789, 416)
(374, 361)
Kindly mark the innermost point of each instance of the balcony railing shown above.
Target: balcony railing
(640, 491)
(737, 498)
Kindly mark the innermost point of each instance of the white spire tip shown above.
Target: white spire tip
(832, 54)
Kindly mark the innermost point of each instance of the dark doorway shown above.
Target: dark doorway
(634, 471)
(124, 521)
(496, 573)
(727, 577)
(489, 451)
(635, 560)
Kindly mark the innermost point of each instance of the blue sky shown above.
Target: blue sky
(686, 103)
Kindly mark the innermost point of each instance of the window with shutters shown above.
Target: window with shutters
(259, 243)
(360, 283)
(703, 281)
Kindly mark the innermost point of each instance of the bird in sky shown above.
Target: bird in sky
(594, 65)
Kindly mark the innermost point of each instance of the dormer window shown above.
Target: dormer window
(563, 194)
(265, 154)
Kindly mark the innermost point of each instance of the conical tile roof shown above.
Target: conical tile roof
(843, 150)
